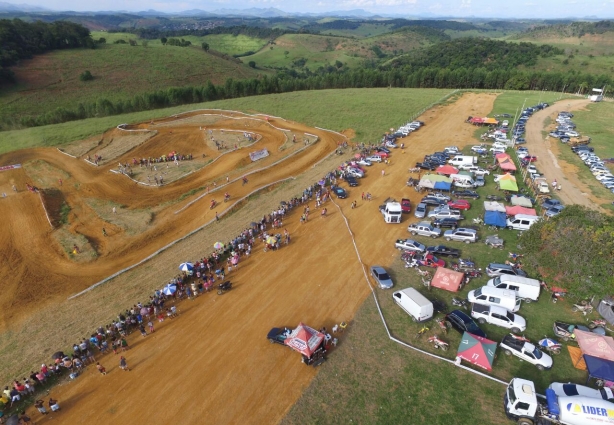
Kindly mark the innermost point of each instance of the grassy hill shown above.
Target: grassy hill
(120, 71)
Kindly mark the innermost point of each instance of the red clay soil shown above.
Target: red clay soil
(213, 363)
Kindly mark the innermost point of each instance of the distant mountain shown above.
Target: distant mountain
(271, 12)
(8, 7)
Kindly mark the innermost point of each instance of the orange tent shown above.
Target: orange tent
(447, 279)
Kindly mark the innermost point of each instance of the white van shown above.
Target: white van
(521, 222)
(463, 159)
(414, 303)
(494, 296)
(462, 180)
(525, 288)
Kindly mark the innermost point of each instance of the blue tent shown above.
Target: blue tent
(443, 186)
(599, 368)
(495, 218)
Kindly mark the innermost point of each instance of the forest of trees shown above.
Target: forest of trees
(475, 53)
(21, 40)
(431, 77)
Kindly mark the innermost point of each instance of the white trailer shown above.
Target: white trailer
(597, 95)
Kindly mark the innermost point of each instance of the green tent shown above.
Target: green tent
(508, 182)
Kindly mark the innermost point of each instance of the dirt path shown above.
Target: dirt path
(213, 363)
(573, 190)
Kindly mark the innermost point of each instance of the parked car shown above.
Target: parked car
(554, 211)
(405, 205)
(466, 194)
(448, 222)
(429, 260)
(381, 154)
(524, 350)
(445, 213)
(478, 149)
(479, 181)
(462, 323)
(424, 228)
(420, 211)
(351, 181)
(548, 203)
(459, 204)
(461, 234)
(381, 277)
(498, 316)
(340, 192)
(432, 200)
(443, 251)
(382, 149)
(409, 245)
(426, 165)
(364, 161)
(497, 269)
(374, 158)
(439, 196)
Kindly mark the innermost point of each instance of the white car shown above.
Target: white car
(604, 177)
(391, 145)
(532, 169)
(364, 161)
(374, 158)
(498, 316)
(522, 154)
(500, 143)
(478, 148)
(572, 133)
(355, 172)
(497, 150)
(543, 187)
(452, 150)
(478, 171)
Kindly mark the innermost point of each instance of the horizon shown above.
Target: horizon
(529, 9)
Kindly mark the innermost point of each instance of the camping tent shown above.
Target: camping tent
(493, 206)
(304, 339)
(495, 218)
(508, 182)
(519, 210)
(446, 169)
(443, 186)
(477, 350)
(429, 180)
(599, 368)
(595, 345)
(605, 309)
(523, 201)
(447, 279)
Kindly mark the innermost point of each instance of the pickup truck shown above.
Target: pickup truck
(409, 245)
(498, 316)
(525, 351)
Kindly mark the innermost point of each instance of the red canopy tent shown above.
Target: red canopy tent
(304, 339)
(447, 279)
(507, 165)
(446, 169)
(517, 209)
(477, 350)
(595, 345)
(502, 156)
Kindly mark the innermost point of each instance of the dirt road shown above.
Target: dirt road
(547, 150)
(213, 364)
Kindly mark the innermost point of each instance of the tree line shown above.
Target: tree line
(22, 40)
(333, 78)
(250, 31)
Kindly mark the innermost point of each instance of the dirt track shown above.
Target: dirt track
(30, 254)
(573, 190)
(213, 363)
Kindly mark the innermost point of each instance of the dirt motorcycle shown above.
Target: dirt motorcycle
(213, 204)
(550, 345)
(442, 325)
(224, 287)
(459, 302)
(226, 197)
(584, 307)
(438, 343)
(494, 241)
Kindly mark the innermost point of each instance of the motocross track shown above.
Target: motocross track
(213, 364)
(573, 190)
(30, 254)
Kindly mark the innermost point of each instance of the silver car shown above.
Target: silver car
(381, 277)
(420, 210)
(462, 235)
(424, 228)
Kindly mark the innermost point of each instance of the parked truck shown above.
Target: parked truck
(392, 212)
(521, 405)
(463, 159)
(498, 316)
(524, 350)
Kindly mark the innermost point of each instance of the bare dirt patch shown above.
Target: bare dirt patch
(44, 175)
(81, 147)
(133, 221)
(120, 143)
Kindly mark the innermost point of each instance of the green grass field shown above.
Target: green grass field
(120, 71)
(372, 111)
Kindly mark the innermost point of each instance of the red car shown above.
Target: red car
(405, 205)
(530, 158)
(459, 204)
(381, 154)
(429, 260)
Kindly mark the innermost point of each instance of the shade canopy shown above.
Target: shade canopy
(477, 350)
(595, 345)
(507, 165)
(447, 279)
(517, 209)
(304, 339)
(493, 206)
(599, 368)
(447, 169)
(495, 218)
(521, 200)
(186, 267)
(508, 182)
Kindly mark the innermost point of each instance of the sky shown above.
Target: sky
(537, 9)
